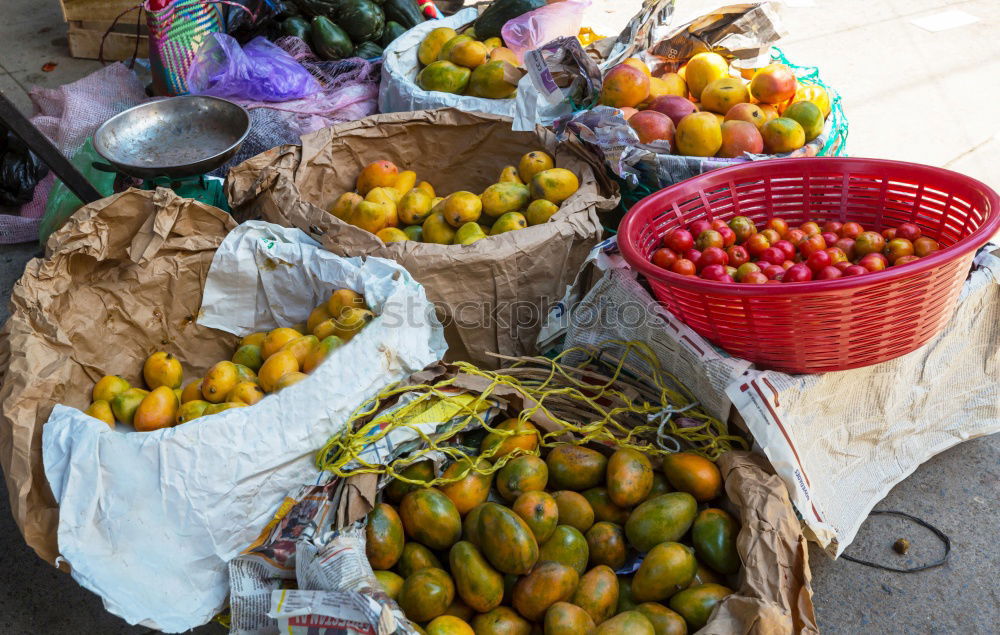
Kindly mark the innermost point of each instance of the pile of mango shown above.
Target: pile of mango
(535, 547)
(264, 363)
(709, 109)
(462, 65)
(387, 198)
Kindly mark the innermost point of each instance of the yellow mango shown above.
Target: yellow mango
(509, 175)
(461, 208)
(490, 80)
(246, 392)
(432, 44)
(157, 410)
(109, 387)
(254, 339)
(249, 356)
(554, 184)
(192, 391)
(219, 380)
(392, 235)
(276, 338)
(101, 409)
(322, 350)
(325, 329)
(162, 369)
(540, 211)
(500, 198)
(351, 321)
(492, 43)
(245, 373)
(190, 411)
(532, 163)
(508, 222)
(414, 207)
(427, 188)
(373, 217)
(288, 379)
(437, 230)
(216, 408)
(345, 205)
(406, 181)
(445, 52)
(469, 54)
(341, 299)
(469, 233)
(275, 367)
(125, 403)
(383, 195)
(178, 393)
(376, 174)
(300, 347)
(316, 316)
(445, 77)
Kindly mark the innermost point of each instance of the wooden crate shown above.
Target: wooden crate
(89, 20)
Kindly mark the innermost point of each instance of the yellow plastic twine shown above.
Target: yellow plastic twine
(627, 408)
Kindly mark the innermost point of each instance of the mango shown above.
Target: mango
(191, 410)
(449, 625)
(192, 391)
(555, 185)
(101, 410)
(666, 569)
(322, 350)
(504, 54)
(392, 235)
(521, 474)
(415, 232)
(500, 621)
(477, 583)
(468, 234)
(603, 508)
(809, 116)
(751, 113)
(300, 347)
(703, 69)
(563, 618)
(693, 474)
(695, 604)
(275, 339)
(345, 205)
(246, 392)
(288, 379)
(405, 181)
(674, 85)
(421, 471)
(624, 85)
(216, 408)
(629, 477)
(414, 207)
(662, 519)
(511, 221)
(461, 208)
(539, 510)
(540, 211)
(493, 80)
(109, 387)
(704, 575)
(162, 369)
(722, 94)
(437, 230)
(507, 542)
(625, 600)
(448, 46)
(468, 53)
(782, 135)
(509, 175)
(461, 610)
(426, 594)
(470, 525)
(660, 486)
(627, 623)
(713, 535)
(256, 339)
(698, 135)
(500, 198)
(390, 582)
(342, 299)
(178, 392)
(566, 546)
(351, 321)
(574, 467)
(510, 435)
(376, 174)
(432, 44)
(607, 545)
(492, 42)
(430, 518)
(415, 557)
(773, 84)
(470, 490)
(427, 189)
(816, 94)
(383, 537)
(445, 77)
(574, 510)
(664, 621)
(245, 374)
(388, 197)
(739, 137)
(635, 62)
(546, 584)
(532, 163)
(219, 381)
(597, 593)
(157, 410)
(374, 217)
(275, 367)
(249, 356)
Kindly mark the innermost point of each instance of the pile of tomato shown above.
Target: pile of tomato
(737, 252)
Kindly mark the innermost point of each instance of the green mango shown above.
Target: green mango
(713, 535)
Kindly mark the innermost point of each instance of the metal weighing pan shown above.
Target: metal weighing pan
(174, 137)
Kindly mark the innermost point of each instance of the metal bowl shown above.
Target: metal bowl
(174, 137)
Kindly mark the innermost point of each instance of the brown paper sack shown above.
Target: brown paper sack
(491, 295)
(124, 278)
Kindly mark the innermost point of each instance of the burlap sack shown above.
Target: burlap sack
(96, 306)
(491, 295)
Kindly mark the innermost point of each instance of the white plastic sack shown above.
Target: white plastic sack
(149, 521)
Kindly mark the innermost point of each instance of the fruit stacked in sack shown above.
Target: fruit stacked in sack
(264, 363)
(567, 540)
(709, 109)
(336, 29)
(392, 205)
(462, 65)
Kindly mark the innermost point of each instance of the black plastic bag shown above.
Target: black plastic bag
(20, 171)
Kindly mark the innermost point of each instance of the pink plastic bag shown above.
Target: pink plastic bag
(535, 28)
(259, 71)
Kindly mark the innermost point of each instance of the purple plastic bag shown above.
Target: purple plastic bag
(260, 71)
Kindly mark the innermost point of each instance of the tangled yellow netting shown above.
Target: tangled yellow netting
(626, 408)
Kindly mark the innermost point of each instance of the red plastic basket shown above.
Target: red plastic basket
(820, 326)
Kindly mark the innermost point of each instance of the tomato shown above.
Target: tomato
(851, 230)
(744, 269)
(836, 254)
(772, 255)
(829, 237)
(846, 245)
(756, 244)
(843, 265)
(888, 234)
(771, 235)
(728, 236)
(832, 227)
(810, 228)
(819, 260)
(925, 245)
(680, 240)
(754, 277)
(897, 248)
(712, 256)
(868, 243)
(873, 262)
(738, 255)
(743, 227)
(909, 231)
(684, 267)
(854, 270)
(795, 236)
(713, 272)
(811, 245)
(708, 238)
(905, 260)
(700, 225)
(718, 223)
(664, 257)
(773, 272)
(777, 225)
(786, 247)
(798, 273)
(829, 273)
